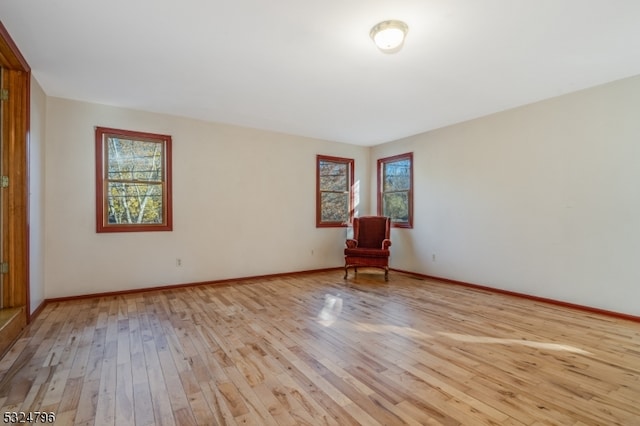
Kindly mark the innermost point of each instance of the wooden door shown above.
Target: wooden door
(14, 247)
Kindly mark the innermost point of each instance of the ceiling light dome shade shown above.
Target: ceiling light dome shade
(389, 35)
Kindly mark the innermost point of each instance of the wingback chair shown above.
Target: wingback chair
(370, 244)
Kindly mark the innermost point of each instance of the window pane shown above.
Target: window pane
(335, 207)
(134, 160)
(397, 176)
(334, 191)
(134, 203)
(333, 176)
(395, 189)
(133, 181)
(396, 206)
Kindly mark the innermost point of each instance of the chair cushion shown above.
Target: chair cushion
(366, 252)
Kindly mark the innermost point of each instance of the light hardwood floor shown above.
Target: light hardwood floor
(314, 349)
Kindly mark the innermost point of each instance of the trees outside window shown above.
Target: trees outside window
(133, 181)
(395, 189)
(334, 193)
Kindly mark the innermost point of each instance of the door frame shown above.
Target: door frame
(16, 79)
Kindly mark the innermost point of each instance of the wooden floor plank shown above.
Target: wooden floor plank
(313, 349)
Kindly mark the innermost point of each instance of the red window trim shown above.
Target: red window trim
(101, 209)
(351, 163)
(381, 162)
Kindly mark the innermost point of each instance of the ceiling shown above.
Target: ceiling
(309, 68)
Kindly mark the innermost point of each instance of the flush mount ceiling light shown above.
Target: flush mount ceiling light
(389, 35)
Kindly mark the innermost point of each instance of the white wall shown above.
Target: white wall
(542, 200)
(244, 204)
(36, 195)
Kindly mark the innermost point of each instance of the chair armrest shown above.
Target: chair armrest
(352, 243)
(386, 243)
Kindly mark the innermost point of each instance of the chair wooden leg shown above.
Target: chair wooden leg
(386, 274)
(346, 272)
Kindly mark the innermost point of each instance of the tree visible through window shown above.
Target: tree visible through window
(133, 181)
(395, 189)
(334, 195)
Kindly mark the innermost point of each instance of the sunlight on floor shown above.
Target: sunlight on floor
(331, 310)
(395, 329)
(494, 340)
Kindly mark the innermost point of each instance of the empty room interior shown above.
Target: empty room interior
(182, 183)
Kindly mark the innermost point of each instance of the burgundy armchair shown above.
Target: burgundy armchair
(370, 244)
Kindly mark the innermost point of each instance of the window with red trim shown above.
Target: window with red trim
(133, 181)
(395, 189)
(334, 193)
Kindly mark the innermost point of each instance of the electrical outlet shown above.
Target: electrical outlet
(178, 261)
(433, 257)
